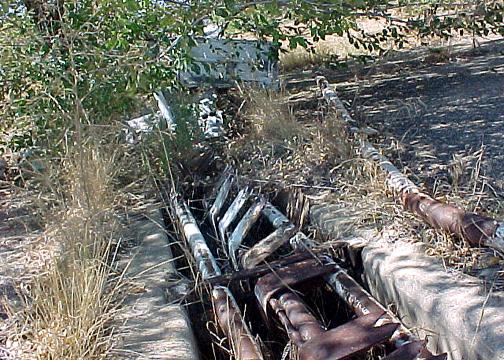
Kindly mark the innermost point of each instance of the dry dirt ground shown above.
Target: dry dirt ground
(436, 111)
(439, 114)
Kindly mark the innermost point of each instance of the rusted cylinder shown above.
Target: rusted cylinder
(300, 317)
(476, 229)
(231, 322)
(363, 303)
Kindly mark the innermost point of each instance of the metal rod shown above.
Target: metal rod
(476, 229)
(243, 228)
(232, 212)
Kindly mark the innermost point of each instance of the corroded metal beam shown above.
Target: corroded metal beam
(476, 229)
(222, 194)
(302, 327)
(243, 228)
(232, 212)
(231, 321)
(243, 344)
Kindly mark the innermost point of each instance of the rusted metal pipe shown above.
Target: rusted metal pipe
(347, 340)
(363, 303)
(300, 317)
(476, 229)
(231, 321)
(207, 266)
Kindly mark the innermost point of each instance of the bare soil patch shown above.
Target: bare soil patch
(440, 118)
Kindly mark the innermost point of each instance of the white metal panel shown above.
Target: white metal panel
(223, 62)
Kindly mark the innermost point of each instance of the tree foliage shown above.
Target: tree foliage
(65, 63)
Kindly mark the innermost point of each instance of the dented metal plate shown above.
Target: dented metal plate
(295, 273)
(347, 340)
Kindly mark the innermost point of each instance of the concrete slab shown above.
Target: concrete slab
(151, 327)
(454, 311)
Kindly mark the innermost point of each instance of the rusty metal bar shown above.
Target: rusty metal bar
(230, 319)
(364, 304)
(258, 271)
(374, 324)
(267, 286)
(232, 212)
(243, 228)
(347, 340)
(344, 285)
(476, 229)
(267, 246)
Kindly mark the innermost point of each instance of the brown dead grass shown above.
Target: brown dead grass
(324, 164)
(271, 119)
(278, 147)
(67, 308)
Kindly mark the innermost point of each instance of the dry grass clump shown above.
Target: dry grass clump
(282, 144)
(331, 140)
(68, 307)
(323, 52)
(271, 119)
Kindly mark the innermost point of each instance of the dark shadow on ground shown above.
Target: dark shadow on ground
(431, 110)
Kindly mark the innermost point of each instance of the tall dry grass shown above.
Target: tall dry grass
(332, 50)
(272, 120)
(69, 306)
